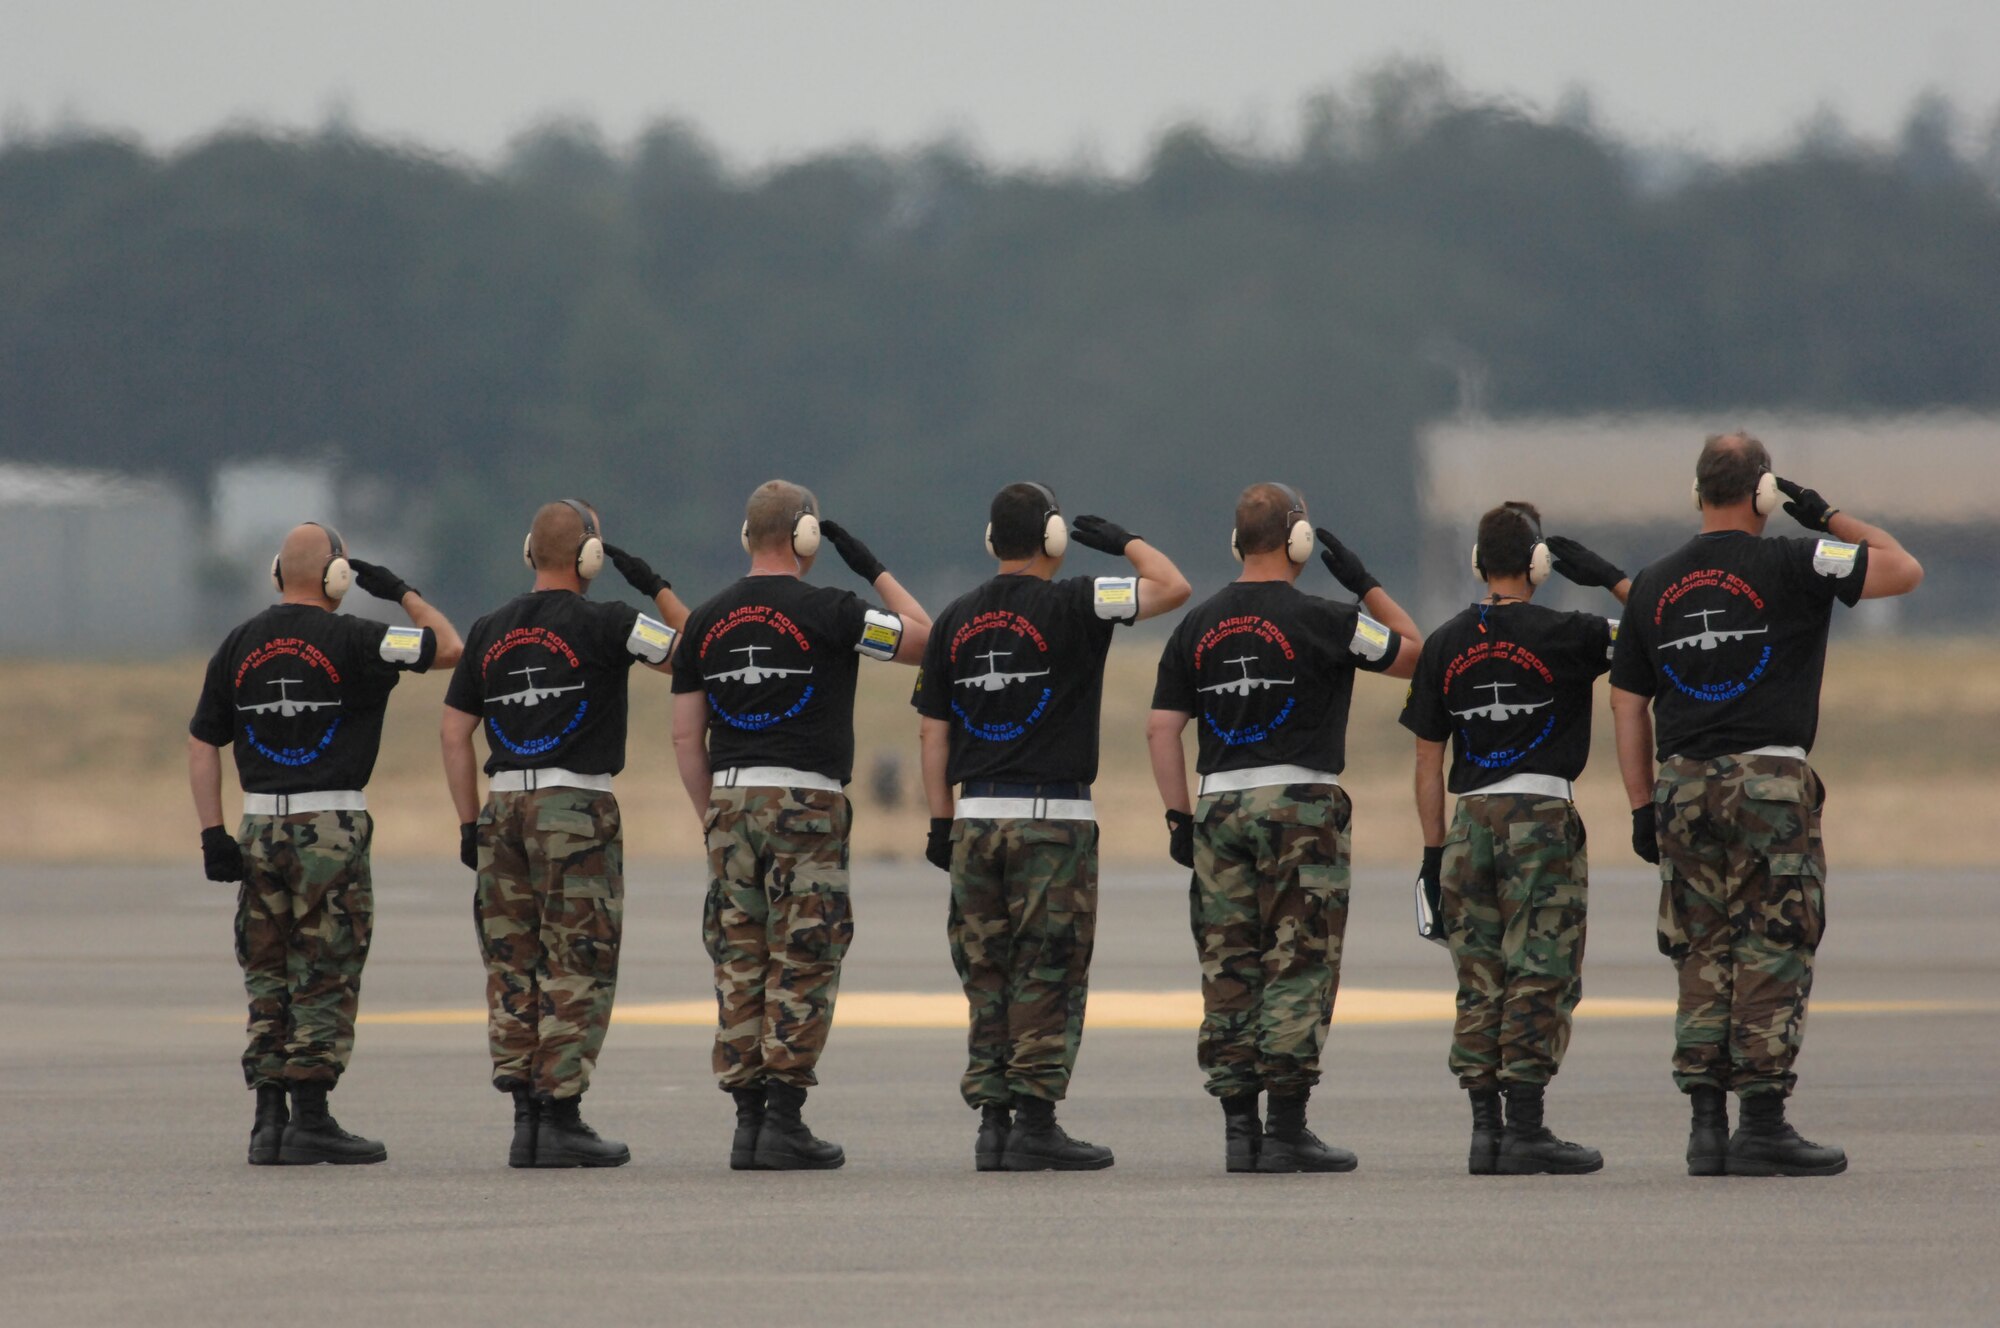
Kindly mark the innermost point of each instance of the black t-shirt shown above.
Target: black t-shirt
(777, 659)
(1727, 634)
(300, 692)
(1509, 685)
(547, 672)
(1267, 671)
(1017, 668)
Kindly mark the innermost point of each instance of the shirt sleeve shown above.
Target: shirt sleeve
(1424, 712)
(1631, 654)
(1173, 684)
(467, 689)
(214, 719)
(1828, 569)
(932, 694)
(1366, 644)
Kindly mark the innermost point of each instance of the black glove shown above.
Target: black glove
(937, 844)
(379, 581)
(1430, 897)
(1094, 532)
(1646, 833)
(1581, 565)
(1344, 564)
(221, 855)
(1180, 838)
(637, 572)
(1805, 506)
(852, 552)
(468, 845)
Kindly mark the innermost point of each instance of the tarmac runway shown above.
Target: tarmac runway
(124, 1197)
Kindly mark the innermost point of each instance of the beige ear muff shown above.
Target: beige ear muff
(528, 549)
(1540, 563)
(337, 579)
(590, 557)
(1768, 496)
(746, 537)
(277, 575)
(1235, 549)
(989, 541)
(1697, 495)
(1477, 570)
(1055, 535)
(805, 534)
(1299, 541)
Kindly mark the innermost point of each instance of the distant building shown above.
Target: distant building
(1622, 485)
(93, 563)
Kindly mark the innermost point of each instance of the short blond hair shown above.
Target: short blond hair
(773, 510)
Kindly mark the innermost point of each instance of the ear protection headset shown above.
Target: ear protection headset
(805, 532)
(1298, 530)
(589, 554)
(334, 578)
(1764, 499)
(1055, 530)
(1540, 561)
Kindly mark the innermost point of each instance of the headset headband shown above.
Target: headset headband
(583, 512)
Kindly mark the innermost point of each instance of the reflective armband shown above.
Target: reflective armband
(1833, 558)
(651, 640)
(881, 633)
(1116, 598)
(1612, 645)
(1371, 639)
(402, 645)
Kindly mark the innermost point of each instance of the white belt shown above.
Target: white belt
(1795, 753)
(1026, 809)
(527, 781)
(1541, 786)
(292, 804)
(774, 776)
(1261, 776)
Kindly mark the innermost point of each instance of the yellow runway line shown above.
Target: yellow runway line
(1165, 1010)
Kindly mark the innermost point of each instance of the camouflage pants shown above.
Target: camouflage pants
(1268, 905)
(1515, 888)
(777, 922)
(549, 907)
(304, 916)
(1022, 922)
(1742, 908)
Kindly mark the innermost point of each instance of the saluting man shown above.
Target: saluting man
(1508, 683)
(545, 676)
(1270, 672)
(1010, 692)
(1717, 673)
(299, 691)
(764, 737)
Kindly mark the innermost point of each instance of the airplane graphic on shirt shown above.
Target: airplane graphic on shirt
(994, 680)
(286, 705)
(752, 672)
(1708, 638)
(531, 695)
(1246, 684)
(1498, 710)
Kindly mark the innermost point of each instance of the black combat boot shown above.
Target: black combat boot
(1484, 1159)
(1037, 1143)
(563, 1140)
(784, 1143)
(1288, 1145)
(1527, 1148)
(995, 1124)
(1765, 1145)
(527, 1115)
(749, 1121)
(1708, 1136)
(267, 1132)
(313, 1135)
(1242, 1132)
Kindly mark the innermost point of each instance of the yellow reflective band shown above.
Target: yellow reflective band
(653, 633)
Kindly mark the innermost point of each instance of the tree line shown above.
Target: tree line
(904, 332)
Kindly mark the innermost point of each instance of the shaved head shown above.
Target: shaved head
(557, 535)
(303, 557)
(1261, 526)
(771, 512)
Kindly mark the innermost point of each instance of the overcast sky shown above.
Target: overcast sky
(1052, 82)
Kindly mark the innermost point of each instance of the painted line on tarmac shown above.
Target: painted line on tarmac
(1168, 1010)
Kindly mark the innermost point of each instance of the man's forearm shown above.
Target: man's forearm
(1169, 760)
(934, 745)
(461, 776)
(1632, 720)
(900, 601)
(1385, 610)
(1851, 529)
(1622, 590)
(672, 612)
(1430, 796)
(423, 613)
(205, 781)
